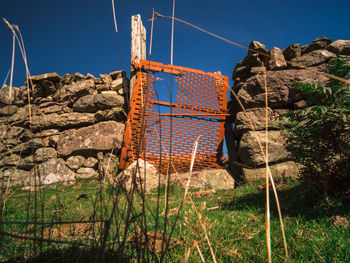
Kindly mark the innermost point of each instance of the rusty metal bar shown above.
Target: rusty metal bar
(181, 106)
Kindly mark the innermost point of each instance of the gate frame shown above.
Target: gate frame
(143, 70)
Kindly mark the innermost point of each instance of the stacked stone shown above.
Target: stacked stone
(249, 85)
(75, 130)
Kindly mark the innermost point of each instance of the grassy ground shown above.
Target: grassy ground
(234, 220)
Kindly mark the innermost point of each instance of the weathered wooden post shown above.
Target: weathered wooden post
(138, 46)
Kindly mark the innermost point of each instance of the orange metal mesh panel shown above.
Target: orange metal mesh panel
(199, 110)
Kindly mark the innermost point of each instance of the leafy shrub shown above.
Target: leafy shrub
(320, 133)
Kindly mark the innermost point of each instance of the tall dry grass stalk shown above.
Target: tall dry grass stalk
(267, 213)
(7, 75)
(151, 38)
(268, 170)
(193, 157)
(15, 29)
(199, 252)
(117, 34)
(198, 214)
(12, 64)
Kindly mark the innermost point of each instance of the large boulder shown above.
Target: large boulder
(44, 88)
(117, 84)
(52, 171)
(256, 46)
(90, 162)
(7, 131)
(292, 51)
(21, 117)
(253, 60)
(285, 169)
(49, 136)
(240, 73)
(313, 58)
(114, 114)
(55, 108)
(276, 59)
(77, 76)
(10, 160)
(146, 175)
(75, 162)
(86, 173)
(65, 120)
(256, 116)
(318, 43)
(28, 146)
(340, 47)
(12, 176)
(7, 97)
(76, 90)
(8, 110)
(281, 93)
(96, 102)
(206, 179)
(249, 151)
(44, 154)
(53, 77)
(102, 136)
(26, 163)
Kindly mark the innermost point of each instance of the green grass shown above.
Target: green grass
(236, 229)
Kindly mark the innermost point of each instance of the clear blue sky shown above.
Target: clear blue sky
(78, 35)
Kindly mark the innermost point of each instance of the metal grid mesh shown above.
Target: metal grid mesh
(199, 110)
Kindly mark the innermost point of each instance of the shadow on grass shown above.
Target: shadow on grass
(72, 254)
(299, 200)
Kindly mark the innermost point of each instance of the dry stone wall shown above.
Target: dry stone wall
(73, 128)
(249, 85)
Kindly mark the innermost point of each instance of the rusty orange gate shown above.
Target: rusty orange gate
(199, 109)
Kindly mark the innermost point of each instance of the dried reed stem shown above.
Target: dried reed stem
(114, 17)
(199, 252)
(270, 175)
(151, 38)
(20, 42)
(193, 157)
(12, 64)
(192, 203)
(267, 213)
(7, 75)
(187, 255)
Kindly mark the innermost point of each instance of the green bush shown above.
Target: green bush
(320, 133)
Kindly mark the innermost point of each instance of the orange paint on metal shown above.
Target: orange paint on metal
(147, 133)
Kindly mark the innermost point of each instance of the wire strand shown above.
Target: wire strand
(294, 64)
